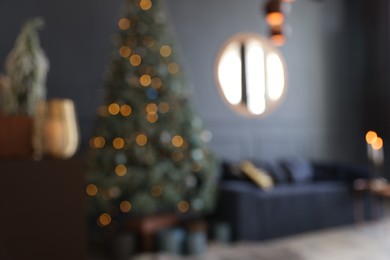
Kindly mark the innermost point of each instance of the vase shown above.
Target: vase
(60, 133)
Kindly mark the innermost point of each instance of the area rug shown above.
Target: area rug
(367, 241)
(244, 251)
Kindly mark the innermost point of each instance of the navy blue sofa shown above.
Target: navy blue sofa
(307, 196)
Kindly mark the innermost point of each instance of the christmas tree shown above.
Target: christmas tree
(148, 153)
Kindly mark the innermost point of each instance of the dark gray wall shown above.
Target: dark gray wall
(319, 117)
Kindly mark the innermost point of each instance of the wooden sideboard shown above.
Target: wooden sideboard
(42, 210)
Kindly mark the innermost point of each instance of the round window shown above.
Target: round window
(251, 74)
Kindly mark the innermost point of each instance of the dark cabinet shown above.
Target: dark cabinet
(42, 210)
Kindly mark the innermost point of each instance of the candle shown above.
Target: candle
(377, 152)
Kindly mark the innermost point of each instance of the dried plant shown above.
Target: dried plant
(24, 85)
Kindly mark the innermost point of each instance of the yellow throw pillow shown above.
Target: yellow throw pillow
(258, 176)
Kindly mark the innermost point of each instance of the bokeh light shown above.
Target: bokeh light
(124, 51)
(103, 111)
(177, 141)
(152, 118)
(113, 109)
(151, 108)
(135, 60)
(145, 80)
(120, 170)
(173, 68)
(126, 110)
(104, 219)
(163, 107)
(156, 191)
(91, 190)
(125, 206)
(371, 136)
(145, 4)
(124, 24)
(118, 143)
(183, 206)
(165, 51)
(377, 144)
(156, 83)
(141, 140)
(97, 142)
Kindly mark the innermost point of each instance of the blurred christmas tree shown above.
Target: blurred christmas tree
(148, 154)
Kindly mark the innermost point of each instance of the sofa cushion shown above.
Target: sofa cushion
(275, 170)
(299, 170)
(231, 171)
(258, 175)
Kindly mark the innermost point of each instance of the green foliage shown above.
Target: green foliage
(26, 66)
(161, 162)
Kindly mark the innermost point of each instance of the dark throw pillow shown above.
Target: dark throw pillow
(299, 170)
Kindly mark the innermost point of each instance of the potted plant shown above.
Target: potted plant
(22, 88)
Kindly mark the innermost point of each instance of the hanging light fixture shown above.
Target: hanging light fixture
(275, 16)
(277, 36)
(273, 13)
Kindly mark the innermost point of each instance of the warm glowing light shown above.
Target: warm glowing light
(126, 110)
(125, 206)
(275, 18)
(145, 4)
(124, 24)
(91, 190)
(377, 144)
(275, 77)
(151, 109)
(141, 140)
(371, 137)
(163, 107)
(183, 206)
(278, 39)
(152, 118)
(156, 191)
(120, 170)
(156, 83)
(255, 76)
(177, 141)
(103, 111)
(173, 68)
(229, 73)
(135, 60)
(251, 74)
(118, 143)
(97, 142)
(124, 51)
(104, 219)
(165, 51)
(113, 109)
(145, 80)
